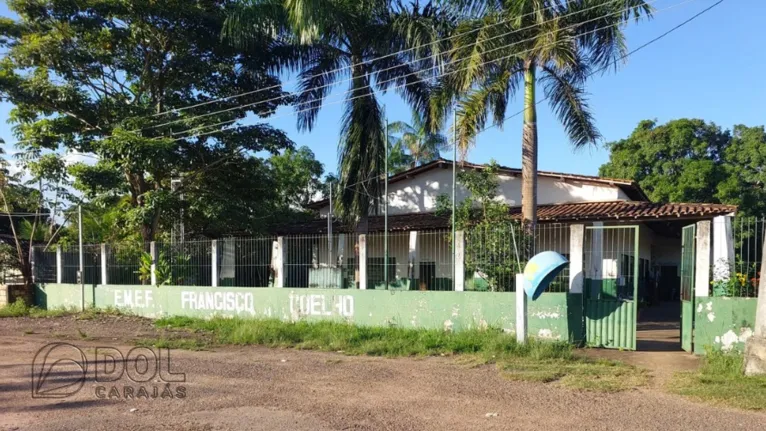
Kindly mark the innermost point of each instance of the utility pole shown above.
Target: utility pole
(454, 186)
(82, 267)
(174, 183)
(385, 202)
(330, 257)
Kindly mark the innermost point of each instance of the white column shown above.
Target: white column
(153, 253)
(723, 248)
(412, 257)
(362, 262)
(214, 263)
(459, 261)
(341, 250)
(521, 310)
(278, 261)
(59, 266)
(576, 250)
(104, 281)
(702, 257)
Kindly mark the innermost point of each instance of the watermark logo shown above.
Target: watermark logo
(60, 370)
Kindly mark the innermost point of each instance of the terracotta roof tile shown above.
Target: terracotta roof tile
(587, 211)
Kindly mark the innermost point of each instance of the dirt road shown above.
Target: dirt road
(274, 389)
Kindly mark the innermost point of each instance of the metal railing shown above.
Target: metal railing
(422, 260)
(740, 275)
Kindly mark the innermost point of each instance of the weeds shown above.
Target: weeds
(538, 361)
(21, 309)
(721, 380)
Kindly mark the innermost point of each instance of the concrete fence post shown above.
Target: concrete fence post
(59, 266)
(702, 257)
(521, 310)
(153, 253)
(412, 257)
(214, 263)
(104, 276)
(278, 261)
(459, 261)
(723, 248)
(576, 251)
(362, 262)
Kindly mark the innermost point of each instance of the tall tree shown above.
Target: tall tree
(506, 46)
(115, 79)
(690, 160)
(338, 41)
(680, 161)
(415, 142)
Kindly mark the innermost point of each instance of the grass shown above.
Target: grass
(21, 309)
(720, 380)
(537, 361)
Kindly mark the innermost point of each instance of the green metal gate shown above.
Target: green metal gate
(687, 286)
(611, 286)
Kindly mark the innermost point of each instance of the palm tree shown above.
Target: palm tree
(503, 45)
(332, 41)
(420, 144)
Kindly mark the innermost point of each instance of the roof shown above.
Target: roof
(630, 187)
(571, 212)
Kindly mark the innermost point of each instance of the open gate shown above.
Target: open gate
(611, 286)
(687, 286)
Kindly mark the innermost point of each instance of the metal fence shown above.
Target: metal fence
(416, 260)
(740, 276)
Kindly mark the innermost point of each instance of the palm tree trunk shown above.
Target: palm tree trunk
(529, 156)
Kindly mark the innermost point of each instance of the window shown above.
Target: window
(428, 274)
(375, 268)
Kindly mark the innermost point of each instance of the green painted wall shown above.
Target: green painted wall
(723, 323)
(554, 315)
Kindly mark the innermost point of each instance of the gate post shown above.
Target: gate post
(723, 248)
(362, 262)
(278, 261)
(459, 261)
(521, 310)
(214, 263)
(59, 266)
(103, 265)
(576, 241)
(702, 257)
(153, 253)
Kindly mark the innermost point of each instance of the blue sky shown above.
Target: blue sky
(711, 69)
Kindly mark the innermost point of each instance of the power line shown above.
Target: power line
(371, 92)
(360, 63)
(628, 54)
(414, 73)
(661, 36)
(505, 21)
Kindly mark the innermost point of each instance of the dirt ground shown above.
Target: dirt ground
(276, 389)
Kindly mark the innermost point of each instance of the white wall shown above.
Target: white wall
(419, 194)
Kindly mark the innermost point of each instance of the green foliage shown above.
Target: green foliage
(494, 243)
(536, 361)
(322, 38)
(412, 145)
(20, 309)
(721, 380)
(162, 269)
(690, 160)
(108, 78)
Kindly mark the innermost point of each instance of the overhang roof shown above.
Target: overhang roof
(571, 212)
(631, 188)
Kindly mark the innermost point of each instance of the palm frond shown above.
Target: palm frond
(315, 83)
(568, 100)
